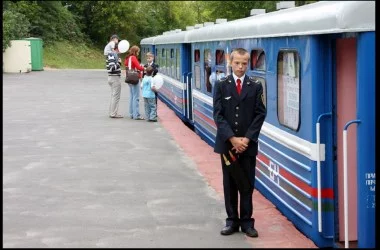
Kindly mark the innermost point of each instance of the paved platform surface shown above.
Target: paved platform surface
(73, 177)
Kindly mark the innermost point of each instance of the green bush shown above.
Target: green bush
(49, 20)
(15, 26)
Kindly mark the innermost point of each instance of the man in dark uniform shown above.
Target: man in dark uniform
(239, 114)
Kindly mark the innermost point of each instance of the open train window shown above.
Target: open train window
(197, 69)
(207, 68)
(288, 89)
(172, 63)
(258, 60)
(219, 57)
(197, 55)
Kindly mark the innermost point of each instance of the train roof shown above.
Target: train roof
(148, 40)
(177, 37)
(317, 18)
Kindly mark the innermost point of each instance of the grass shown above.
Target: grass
(67, 55)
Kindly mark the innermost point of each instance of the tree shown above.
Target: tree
(15, 26)
(48, 20)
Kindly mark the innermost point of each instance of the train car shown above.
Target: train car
(147, 45)
(171, 54)
(316, 64)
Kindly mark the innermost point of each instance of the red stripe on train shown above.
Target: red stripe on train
(206, 118)
(325, 192)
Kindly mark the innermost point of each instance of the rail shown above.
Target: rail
(345, 180)
(317, 128)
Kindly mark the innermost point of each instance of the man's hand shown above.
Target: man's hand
(239, 144)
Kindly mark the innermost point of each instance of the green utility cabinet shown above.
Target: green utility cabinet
(36, 52)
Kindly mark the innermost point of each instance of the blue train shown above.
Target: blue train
(316, 63)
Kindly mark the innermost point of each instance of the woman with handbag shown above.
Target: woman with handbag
(133, 75)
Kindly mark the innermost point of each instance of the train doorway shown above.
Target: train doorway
(346, 89)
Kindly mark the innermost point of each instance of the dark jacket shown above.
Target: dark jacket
(234, 115)
(155, 68)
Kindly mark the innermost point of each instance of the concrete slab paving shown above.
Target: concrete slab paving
(73, 177)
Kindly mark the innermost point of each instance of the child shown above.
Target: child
(148, 93)
(112, 45)
(150, 62)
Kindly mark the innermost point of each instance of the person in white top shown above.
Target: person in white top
(112, 45)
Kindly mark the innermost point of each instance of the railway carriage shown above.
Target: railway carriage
(316, 64)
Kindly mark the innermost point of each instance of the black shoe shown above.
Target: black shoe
(251, 232)
(227, 230)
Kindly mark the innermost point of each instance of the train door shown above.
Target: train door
(345, 112)
(187, 79)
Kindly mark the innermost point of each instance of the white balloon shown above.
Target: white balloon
(123, 46)
(158, 81)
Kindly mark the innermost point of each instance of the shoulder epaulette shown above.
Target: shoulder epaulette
(253, 80)
(223, 79)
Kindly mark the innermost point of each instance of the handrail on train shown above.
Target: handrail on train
(345, 180)
(317, 128)
(187, 76)
(184, 77)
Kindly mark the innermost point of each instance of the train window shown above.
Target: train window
(197, 69)
(168, 63)
(219, 57)
(207, 57)
(177, 64)
(288, 89)
(173, 63)
(197, 76)
(258, 60)
(197, 55)
(157, 59)
(163, 61)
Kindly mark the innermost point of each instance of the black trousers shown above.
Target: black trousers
(248, 165)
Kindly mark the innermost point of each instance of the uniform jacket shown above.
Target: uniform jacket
(234, 115)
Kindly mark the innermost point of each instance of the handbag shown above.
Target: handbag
(131, 76)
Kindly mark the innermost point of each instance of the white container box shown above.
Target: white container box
(18, 57)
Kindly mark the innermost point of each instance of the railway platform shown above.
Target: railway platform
(73, 177)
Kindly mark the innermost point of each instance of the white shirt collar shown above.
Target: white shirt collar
(241, 78)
